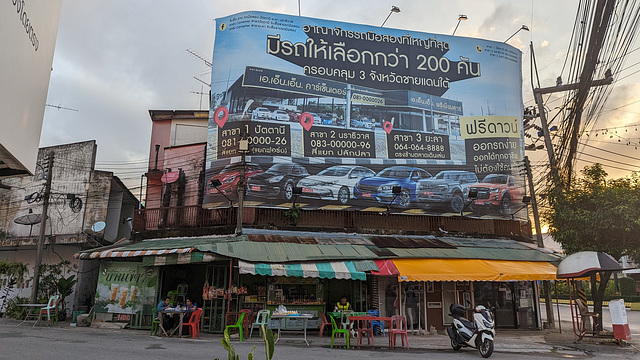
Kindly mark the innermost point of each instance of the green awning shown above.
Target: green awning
(324, 270)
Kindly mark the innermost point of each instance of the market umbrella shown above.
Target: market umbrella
(584, 263)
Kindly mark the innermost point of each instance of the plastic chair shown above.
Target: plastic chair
(261, 319)
(173, 295)
(237, 325)
(364, 327)
(398, 327)
(323, 324)
(247, 319)
(194, 323)
(51, 310)
(345, 318)
(336, 330)
(376, 323)
(182, 293)
(155, 323)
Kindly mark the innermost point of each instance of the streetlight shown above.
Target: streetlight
(394, 9)
(460, 18)
(524, 27)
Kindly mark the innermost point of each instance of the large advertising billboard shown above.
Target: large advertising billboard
(355, 117)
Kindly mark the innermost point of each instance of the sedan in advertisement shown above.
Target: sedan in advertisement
(277, 182)
(334, 183)
(448, 188)
(496, 191)
(380, 187)
(229, 177)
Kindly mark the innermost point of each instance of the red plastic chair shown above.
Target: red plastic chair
(248, 319)
(194, 323)
(324, 323)
(364, 327)
(398, 327)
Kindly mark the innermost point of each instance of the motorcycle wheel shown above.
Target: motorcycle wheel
(455, 346)
(486, 348)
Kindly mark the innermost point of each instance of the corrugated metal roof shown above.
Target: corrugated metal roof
(288, 247)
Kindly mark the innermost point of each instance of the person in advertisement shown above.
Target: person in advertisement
(167, 321)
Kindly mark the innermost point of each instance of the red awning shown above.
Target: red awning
(387, 268)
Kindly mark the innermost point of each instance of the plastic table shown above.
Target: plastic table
(305, 318)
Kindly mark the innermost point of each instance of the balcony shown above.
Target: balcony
(194, 221)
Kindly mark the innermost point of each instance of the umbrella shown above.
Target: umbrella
(582, 264)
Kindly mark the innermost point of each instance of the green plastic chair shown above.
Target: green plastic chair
(237, 325)
(336, 330)
(155, 323)
(173, 294)
(261, 319)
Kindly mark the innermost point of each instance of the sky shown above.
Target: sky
(116, 60)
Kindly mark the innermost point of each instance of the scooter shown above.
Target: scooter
(478, 334)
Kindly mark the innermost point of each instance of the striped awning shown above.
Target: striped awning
(323, 270)
(116, 253)
(179, 259)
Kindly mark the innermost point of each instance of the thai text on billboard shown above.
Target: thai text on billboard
(356, 117)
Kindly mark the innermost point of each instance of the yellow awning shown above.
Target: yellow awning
(473, 270)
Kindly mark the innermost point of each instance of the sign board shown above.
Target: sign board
(347, 112)
(125, 287)
(28, 31)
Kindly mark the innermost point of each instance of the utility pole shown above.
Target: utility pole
(43, 227)
(244, 148)
(536, 219)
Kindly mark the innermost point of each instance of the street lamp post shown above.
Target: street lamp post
(460, 18)
(394, 9)
(523, 27)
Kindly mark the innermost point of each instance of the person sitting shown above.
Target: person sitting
(167, 321)
(190, 305)
(343, 304)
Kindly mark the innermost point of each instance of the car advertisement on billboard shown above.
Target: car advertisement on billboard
(354, 117)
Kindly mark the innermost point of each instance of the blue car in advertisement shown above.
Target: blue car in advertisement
(380, 187)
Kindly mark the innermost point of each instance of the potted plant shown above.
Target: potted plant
(64, 286)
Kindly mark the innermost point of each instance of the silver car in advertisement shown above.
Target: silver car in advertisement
(334, 183)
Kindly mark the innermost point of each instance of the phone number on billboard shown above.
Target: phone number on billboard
(332, 142)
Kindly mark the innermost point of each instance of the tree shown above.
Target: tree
(597, 214)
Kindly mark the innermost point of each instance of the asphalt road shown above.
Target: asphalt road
(64, 342)
(633, 317)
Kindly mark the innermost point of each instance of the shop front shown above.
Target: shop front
(426, 288)
(309, 288)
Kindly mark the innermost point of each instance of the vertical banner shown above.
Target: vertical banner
(348, 113)
(125, 287)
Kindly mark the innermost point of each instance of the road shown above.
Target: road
(64, 342)
(633, 318)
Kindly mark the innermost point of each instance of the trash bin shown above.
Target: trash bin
(75, 315)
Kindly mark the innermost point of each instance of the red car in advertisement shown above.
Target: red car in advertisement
(229, 177)
(496, 191)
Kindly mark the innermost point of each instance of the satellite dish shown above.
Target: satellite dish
(29, 219)
(99, 226)
(169, 177)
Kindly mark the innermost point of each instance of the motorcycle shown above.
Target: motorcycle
(478, 334)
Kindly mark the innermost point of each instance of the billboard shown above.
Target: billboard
(125, 287)
(28, 31)
(355, 117)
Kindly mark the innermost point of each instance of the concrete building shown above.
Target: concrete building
(80, 197)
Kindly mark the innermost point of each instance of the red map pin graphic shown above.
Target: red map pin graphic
(221, 119)
(306, 120)
(387, 126)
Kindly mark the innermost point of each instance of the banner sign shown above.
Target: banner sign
(339, 116)
(125, 287)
